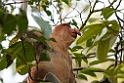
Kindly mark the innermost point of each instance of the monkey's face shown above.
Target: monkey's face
(74, 32)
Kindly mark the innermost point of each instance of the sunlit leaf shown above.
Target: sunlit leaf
(96, 62)
(76, 48)
(78, 59)
(84, 59)
(91, 20)
(120, 76)
(117, 68)
(90, 31)
(45, 27)
(88, 72)
(95, 81)
(113, 27)
(102, 49)
(107, 12)
(93, 45)
(81, 76)
(21, 67)
(95, 69)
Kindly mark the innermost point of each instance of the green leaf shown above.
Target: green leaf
(24, 54)
(21, 67)
(95, 69)
(45, 27)
(23, 49)
(44, 56)
(1, 80)
(102, 49)
(107, 12)
(3, 63)
(48, 12)
(95, 81)
(9, 24)
(22, 22)
(93, 19)
(2, 37)
(105, 44)
(1, 46)
(44, 82)
(90, 31)
(84, 59)
(117, 68)
(78, 59)
(76, 48)
(66, 1)
(113, 27)
(53, 39)
(74, 23)
(89, 43)
(96, 62)
(81, 76)
(93, 45)
(88, 72)
(120, 76)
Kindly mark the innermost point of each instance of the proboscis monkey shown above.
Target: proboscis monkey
(60, 64)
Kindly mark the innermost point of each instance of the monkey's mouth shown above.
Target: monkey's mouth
(75, 32)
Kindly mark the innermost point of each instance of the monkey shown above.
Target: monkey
(60, 65)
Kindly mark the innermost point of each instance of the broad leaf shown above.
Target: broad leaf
(96, 62)
(95, 81)
(93, 45)
(90, 31)
(81, 76)
(95, 69)
(89, 43)
(102, 49)
(44, 56)
(45, 27)
(76, 48)
(104, 45)
(24, 53)
(107, 12)
(22, 22)
(10, 24)
(88, 72)
(113, 27)
(78, 59)
(21, 66)
(117, 68)
(3, 63)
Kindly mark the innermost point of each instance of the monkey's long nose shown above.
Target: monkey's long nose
(78, 32)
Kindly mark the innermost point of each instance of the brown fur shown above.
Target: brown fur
(60, 63)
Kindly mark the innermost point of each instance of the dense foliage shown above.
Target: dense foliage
(102, 40)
